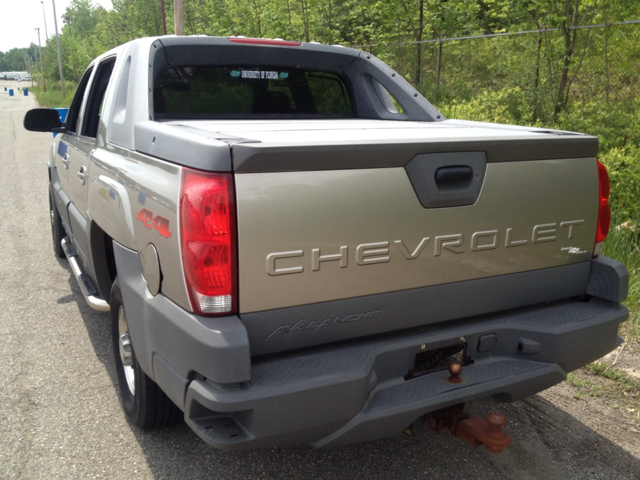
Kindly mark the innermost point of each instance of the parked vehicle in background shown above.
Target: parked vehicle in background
(297, 247)
(19, 76)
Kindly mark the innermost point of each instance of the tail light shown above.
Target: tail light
(604, 212)
(208, 241)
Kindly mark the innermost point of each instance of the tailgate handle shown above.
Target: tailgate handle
(447, 179)
(454, 178)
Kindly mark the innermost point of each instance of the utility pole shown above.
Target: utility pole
(178, 16)
(55, 23)
(46, 34)
(27, 62)
(439, 67)
(164, 18)
(44, 82)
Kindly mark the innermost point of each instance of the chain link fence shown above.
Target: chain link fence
(604, 70)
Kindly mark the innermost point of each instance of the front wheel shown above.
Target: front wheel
(143, 401)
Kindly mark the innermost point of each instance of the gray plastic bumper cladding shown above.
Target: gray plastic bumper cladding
(171, 344)
(356, 392)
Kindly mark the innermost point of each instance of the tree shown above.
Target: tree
(564, 58)
(439, 18)
(14, 60)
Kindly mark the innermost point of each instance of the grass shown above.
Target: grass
(622, 244)
(52, 98)
(618, 389)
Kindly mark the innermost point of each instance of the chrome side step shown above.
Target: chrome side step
(88, 289)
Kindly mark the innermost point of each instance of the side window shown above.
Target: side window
(92, 111)
(74, 110)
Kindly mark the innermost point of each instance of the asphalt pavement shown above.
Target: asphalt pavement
(60, 415)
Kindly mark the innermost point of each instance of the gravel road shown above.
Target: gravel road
(60, 415)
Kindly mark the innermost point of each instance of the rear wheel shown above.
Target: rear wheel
(57, 230)
(143, 401)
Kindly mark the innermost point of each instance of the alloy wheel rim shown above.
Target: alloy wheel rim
(129, 372)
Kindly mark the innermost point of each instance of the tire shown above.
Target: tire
(143, 401)
(57, 230)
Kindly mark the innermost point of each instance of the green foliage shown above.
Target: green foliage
(473, 66)
(17, 59)
(623, 242)
(52, 98)
(12, 61)
(624, 172)
(510, 106)
(617, 125)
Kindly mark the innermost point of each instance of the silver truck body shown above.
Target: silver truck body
(351, 260)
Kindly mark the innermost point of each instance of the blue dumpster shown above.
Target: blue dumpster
(26, 92)
(62, 113)
(11, 92)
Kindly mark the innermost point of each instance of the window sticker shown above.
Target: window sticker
(259, 74)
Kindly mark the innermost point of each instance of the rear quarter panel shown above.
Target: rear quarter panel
(128, 191)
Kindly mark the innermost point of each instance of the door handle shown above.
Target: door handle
(66, 160)
(82, 174)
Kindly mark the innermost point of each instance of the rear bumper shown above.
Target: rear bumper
(358, 393)
(355, 392)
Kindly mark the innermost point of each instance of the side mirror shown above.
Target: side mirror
(42, 120)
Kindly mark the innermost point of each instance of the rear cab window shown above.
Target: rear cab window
(249, 92)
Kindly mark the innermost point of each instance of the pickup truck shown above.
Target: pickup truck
(295, 246)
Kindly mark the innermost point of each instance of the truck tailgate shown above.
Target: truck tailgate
(530, 215)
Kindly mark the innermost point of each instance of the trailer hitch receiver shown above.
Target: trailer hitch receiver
(473, 430)
(476, 431)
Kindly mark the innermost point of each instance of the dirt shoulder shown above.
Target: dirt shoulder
(605, 397)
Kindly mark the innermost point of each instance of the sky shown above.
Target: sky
(19, 18)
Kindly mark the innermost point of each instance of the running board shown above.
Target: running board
(88, 289)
